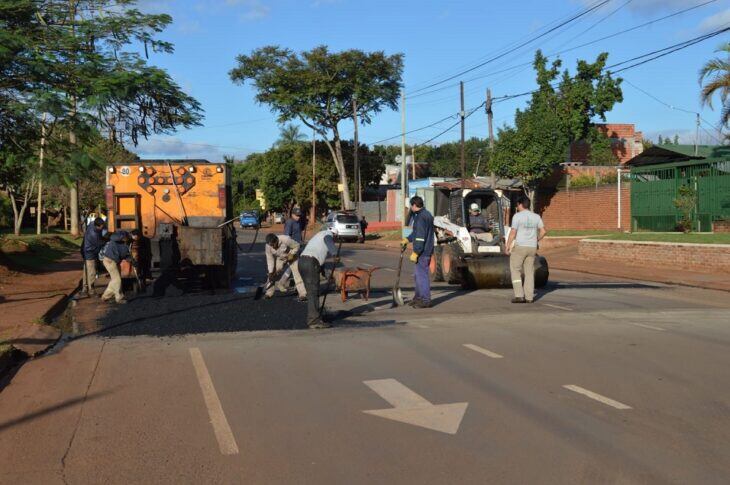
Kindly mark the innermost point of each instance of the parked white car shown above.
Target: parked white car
(346, 224)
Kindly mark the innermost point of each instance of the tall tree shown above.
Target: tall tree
(317, 87)
(81, 64)
(716, 73)
(560, 112)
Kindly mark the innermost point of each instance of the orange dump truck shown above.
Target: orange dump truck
(180, 207)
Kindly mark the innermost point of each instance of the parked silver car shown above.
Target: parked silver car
(347, 226)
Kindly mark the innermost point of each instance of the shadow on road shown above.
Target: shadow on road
(51, 409)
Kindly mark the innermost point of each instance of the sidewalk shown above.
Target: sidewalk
(28, 299)
(566, 258)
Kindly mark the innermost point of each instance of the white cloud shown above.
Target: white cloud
(648, 6)
(716, 21)
(172, 147)
(686, 137)
(253, 9)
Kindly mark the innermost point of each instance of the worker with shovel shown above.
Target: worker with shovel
(422, 238)
(313, 257)
(281, 257)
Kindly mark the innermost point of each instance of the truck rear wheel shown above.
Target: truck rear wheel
(435, 269)
(451, 264)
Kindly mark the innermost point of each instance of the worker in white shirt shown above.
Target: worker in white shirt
(281, 256)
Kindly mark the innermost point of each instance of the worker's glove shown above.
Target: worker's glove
(291, 257)
(414, 258)
(404, 243)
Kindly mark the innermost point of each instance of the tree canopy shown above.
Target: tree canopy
(562, 110)
(318, 87)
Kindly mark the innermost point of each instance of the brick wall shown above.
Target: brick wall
(705, 258)
(585, 208)
(721, 226)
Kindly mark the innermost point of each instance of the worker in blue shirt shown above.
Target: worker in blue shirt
(293, 226)
(422, 239)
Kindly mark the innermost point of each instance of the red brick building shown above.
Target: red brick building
(626, 143)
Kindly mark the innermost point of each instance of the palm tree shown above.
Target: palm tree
(289, 135)
(717, 74)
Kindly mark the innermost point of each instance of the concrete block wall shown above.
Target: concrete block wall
(586, 208)
(705, 258)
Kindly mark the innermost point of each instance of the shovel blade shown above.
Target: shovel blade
(397, 297)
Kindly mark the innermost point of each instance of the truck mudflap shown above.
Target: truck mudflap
(202, 246)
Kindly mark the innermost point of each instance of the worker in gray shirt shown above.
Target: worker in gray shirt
(526, 230)
(311, 261)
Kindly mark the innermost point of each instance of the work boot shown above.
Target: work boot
(123, 301)
(422, 304)
(518, 300)
(318, 323)
(413, 302)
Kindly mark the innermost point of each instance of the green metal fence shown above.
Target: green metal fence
(654, 189)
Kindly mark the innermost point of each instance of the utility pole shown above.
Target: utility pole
(313, 217)
(356, 164)
(413, 161)
(488, 107)
(463, 116)
(39, 206)
(697, 135)
(403, 167)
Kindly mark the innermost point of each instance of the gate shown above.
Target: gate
(654, 189)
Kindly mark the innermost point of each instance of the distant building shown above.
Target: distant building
(626, 143)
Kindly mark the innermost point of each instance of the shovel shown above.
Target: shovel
(260, 290)
(397, 294)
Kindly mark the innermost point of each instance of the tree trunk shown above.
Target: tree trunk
(343, 174)
(73, 192)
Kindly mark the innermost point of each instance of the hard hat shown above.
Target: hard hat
(474, 207)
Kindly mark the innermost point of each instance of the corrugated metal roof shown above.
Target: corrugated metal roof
(661, 154)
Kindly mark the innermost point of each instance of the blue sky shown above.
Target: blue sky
(438, 39)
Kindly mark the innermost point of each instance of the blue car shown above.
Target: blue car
(249, 219)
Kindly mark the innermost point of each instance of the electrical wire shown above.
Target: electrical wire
(523, 44)
(570, 49)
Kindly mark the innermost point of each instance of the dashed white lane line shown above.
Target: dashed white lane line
(558, 307)
(223, 433)
(650, 327)
(389, 269)
(482, 350)
(603, 399)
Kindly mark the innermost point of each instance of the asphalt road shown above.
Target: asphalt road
(601, 380)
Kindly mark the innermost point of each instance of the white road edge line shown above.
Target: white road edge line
(650, 327)
(223, 433)
(484, 351)
(558, 307)
(603, 399)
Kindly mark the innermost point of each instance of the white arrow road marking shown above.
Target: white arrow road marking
(409, 407)
(605, 400)
(223, 433)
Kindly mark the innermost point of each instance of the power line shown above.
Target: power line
(529, 41)
(413, 131)
(471, 112)
(674, 48)
(570, 49)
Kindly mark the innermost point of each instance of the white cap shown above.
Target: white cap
(474, 207)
